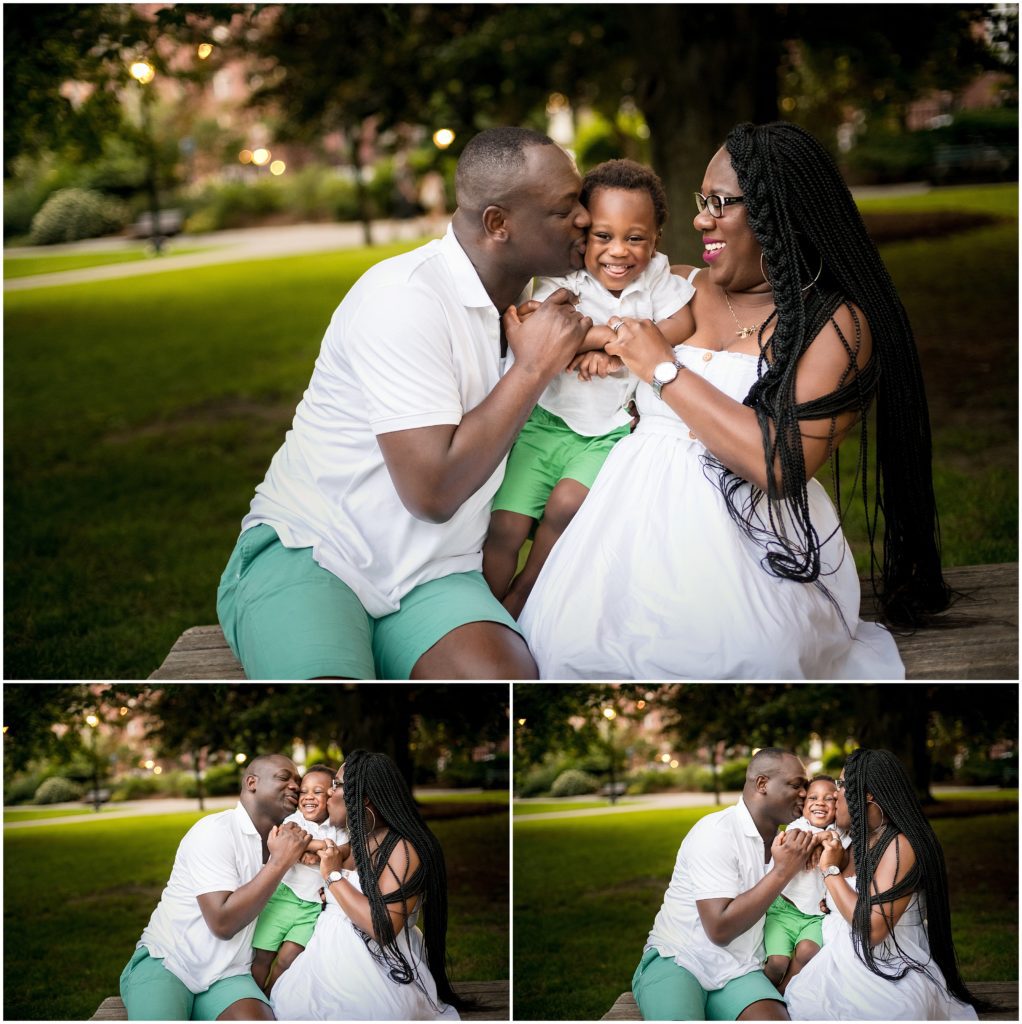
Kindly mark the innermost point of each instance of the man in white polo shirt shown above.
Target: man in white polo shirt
(703, 959)
(361, 554)
(194, 959)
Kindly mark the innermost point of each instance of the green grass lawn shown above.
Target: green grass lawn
(27, 266)
(487, 796)
(34, 815)
(140, 414)
(85, 893)
(587, 890)
(545, 807)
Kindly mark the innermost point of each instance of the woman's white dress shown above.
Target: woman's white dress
(837, 985)
(653, 580)
(336, 978)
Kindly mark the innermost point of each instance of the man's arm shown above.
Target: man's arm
(436, 469)
(725, 919)
(226, 913)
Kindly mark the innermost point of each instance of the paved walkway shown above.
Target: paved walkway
(138, 808)
(649, 802)
(224, 247)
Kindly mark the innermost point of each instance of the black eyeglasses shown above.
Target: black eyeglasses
(840, 783)
(336, 784)
(714, 203)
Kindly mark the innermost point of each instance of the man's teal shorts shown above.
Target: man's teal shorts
(151, 992)
(546, 452)
(665, 991)
(786, 926)
(286, 617)
(285, 918)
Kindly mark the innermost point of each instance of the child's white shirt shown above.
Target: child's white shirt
(596, 407)
(806, 889)
(304, 881)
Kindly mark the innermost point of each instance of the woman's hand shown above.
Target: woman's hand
(640, 345)
(332, 857)
(832, 853)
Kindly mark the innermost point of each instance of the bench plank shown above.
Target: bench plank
(976, 638)
(1003, 995)
(491, 1001)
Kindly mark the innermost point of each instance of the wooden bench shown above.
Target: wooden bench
(490, 999)
(976, 638)
(1002, 995)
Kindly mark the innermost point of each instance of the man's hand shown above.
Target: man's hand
(287, 843)
(547, 340)
(790, 851)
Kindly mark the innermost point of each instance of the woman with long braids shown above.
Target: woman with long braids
(367, 960)
(887, 948)
(706, 549)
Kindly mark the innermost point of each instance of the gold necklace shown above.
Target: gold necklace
(742, 332)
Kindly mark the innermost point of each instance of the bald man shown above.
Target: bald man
(703, 958)
(194, 959)
(361, 555)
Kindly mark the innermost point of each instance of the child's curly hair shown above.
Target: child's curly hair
(631, 176)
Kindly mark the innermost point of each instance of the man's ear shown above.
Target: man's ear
(251, 781)
(761, 783)
(495, 223)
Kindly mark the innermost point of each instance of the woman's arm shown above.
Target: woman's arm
(730, 430)
(402, 864)
(897, 860)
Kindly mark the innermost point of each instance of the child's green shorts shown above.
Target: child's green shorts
(786, 926)
(285, 918)
(151, 992)
(547, 451)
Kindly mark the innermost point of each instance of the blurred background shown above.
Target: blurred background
(189, 190)
(609, 778)
(101, 783)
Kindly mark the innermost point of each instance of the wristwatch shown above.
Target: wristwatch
(663, 374)
(336, 876)
(828, 871)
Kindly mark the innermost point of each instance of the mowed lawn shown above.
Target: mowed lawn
(82, 893)
(140, 414)
(587, 890)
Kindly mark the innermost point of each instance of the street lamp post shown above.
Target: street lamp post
(143, 72)
(610, 714)
(92, 721)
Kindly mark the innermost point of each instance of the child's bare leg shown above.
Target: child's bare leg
(804, 952)
(775, 968)
(261, 966)
(564, 501)
(285, 958)
(508, 532)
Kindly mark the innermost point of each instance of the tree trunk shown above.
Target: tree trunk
(892, 722)
(711, 67)
(364, 213)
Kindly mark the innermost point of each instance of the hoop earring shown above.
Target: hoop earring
(372, 828)
(806, 288)
(762, 270)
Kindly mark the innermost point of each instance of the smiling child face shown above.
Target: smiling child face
(821, 803)
(622, 237)
(313, 797)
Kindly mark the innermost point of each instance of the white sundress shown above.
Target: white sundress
(337, 978)
(837, 985)
(653, 580)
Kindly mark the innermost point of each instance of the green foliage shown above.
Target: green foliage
(574, 783)
(689, 778)
(833, 760)
(57, 790)
(220, 780)
(74, 213)
(538, 779)
(732, 774)
(136, 787)
(982, 771)
(21, 787)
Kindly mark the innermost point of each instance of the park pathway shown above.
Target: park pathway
(649, 802)
(169, 805)
(224, 247)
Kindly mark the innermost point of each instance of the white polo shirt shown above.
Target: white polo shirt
(304, 881)
(595, 407)
(720, 858)
(219, 853)
(414, 343)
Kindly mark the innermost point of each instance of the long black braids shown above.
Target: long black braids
(817, 257)
(376, 778)
(882, 775)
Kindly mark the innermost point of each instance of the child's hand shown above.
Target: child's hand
(594, 364)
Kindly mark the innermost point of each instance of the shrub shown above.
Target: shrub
(136, 787)
(73, 213)
(574, 783)
(537, 780)
(22, 788)
(222, 780)
(732, 774)
(57, 791)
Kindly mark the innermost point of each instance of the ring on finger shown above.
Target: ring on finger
(616, 327)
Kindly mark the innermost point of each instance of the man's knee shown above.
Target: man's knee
(247, 1009)
(477, 650)
(765, 1009)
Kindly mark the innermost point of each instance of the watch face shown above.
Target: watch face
(665, 372)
